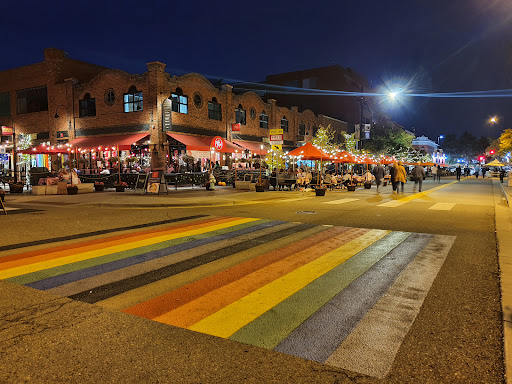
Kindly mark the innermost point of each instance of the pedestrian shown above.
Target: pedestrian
(458, 172)
(477, 171)
(483, 172)
(418, 173)
(392, 174)
(400, 177)
(378, 173)
(502, 175)
(435, 169)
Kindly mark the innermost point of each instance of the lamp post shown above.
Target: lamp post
(69, 128)
(439, 139)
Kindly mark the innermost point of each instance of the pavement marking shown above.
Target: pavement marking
(442, 206)
(372, 346)
(340, 201)
(294, 199)
(403, 200)
(308, 290)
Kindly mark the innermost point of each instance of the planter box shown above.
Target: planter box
(351, 188)
(367, 185)
(320, 191)
(119, 188)
(72, 190)
(51, 189)
(260, 188)
(85, 187)
(239, 184)
(15, 188)
(99, 188)
(39, 190)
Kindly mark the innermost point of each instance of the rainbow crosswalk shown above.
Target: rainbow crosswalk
(302, 289)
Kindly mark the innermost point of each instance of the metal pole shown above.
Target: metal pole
(361, 129)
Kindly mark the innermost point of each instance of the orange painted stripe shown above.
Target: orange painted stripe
(101, 241)
(196, 310)
(87, 247)
(178, 297)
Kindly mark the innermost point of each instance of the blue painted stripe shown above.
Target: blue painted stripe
(69, 277)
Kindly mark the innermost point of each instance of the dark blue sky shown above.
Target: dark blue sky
(430, 45)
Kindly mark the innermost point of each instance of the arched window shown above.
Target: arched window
(240, 115)
(133, 100)
(263, 120)
(214, 110)
(315, 130)
(179, 101)
(302, 129)
(284, 124)
(87, 106)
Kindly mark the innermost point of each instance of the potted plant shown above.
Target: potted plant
(320, 191)
(120, 186)
(260, 186)
(72, 189)
(99, 186)
(351, 187)
(367, 185)
(16, 187)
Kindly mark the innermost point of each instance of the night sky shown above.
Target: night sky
(422, 46)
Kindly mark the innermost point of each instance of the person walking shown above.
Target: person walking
(435, 169)
(392, 174)
(458, 172)
(400, 177)
(418, 173)
(378, 173)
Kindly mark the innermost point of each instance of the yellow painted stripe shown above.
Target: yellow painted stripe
(105, 251)
(238, 314)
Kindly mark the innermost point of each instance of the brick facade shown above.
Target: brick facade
(68, 81)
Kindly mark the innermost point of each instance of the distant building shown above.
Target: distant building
(423, 143)
(337, 78)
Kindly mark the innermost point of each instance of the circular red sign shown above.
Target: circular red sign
(218, 143)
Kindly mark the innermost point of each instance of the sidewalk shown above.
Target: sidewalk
(504, 239)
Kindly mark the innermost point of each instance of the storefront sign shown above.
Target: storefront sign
(6, 131)
(166, 115)
(276, 138)
(218, 143)
(236, 127)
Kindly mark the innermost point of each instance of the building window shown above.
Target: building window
(309, 82)
(133, 100)
(87, 106)
(32, 100)
(179, 102)
(240, 115)
(263, 120)
(214, 110)
(5, 104)
(198, 100)
(253, 113)
(110, 97)
(302, 129)
(284, 124)
(315, 130)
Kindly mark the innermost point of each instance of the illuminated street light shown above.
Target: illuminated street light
(493, 120)
(393, 95)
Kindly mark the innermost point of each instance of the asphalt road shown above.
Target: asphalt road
(456, 337)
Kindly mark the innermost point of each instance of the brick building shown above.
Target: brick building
(66, 100)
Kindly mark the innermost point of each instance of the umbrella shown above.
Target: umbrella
(344, 157)
(428, 164)
(388, 160)
(310, 152)
(495, 163)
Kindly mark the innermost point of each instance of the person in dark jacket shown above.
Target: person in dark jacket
(392, 173)
(418, 173)
(458, 172)
(378, 173)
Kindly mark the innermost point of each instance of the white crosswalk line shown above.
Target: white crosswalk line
(442, 206)
(340, 201)
(392, 204)
(294, 199)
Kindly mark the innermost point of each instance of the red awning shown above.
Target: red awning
(202, 143)
(252, 146)
(125, 142)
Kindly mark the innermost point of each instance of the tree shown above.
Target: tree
(506, 141)
(350, 143)
(324, 138)
(386, 139)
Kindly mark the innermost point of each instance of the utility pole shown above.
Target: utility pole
(361, 124)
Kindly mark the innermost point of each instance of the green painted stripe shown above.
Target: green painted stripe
(51, 272)
(271, 328)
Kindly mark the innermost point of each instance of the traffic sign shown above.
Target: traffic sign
(276, 131)
(277, 147)
(276, 138)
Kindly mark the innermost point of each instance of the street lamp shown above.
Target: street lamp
(69, 117)
(439, 139)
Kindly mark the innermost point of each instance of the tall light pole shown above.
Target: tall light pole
(439, 139)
